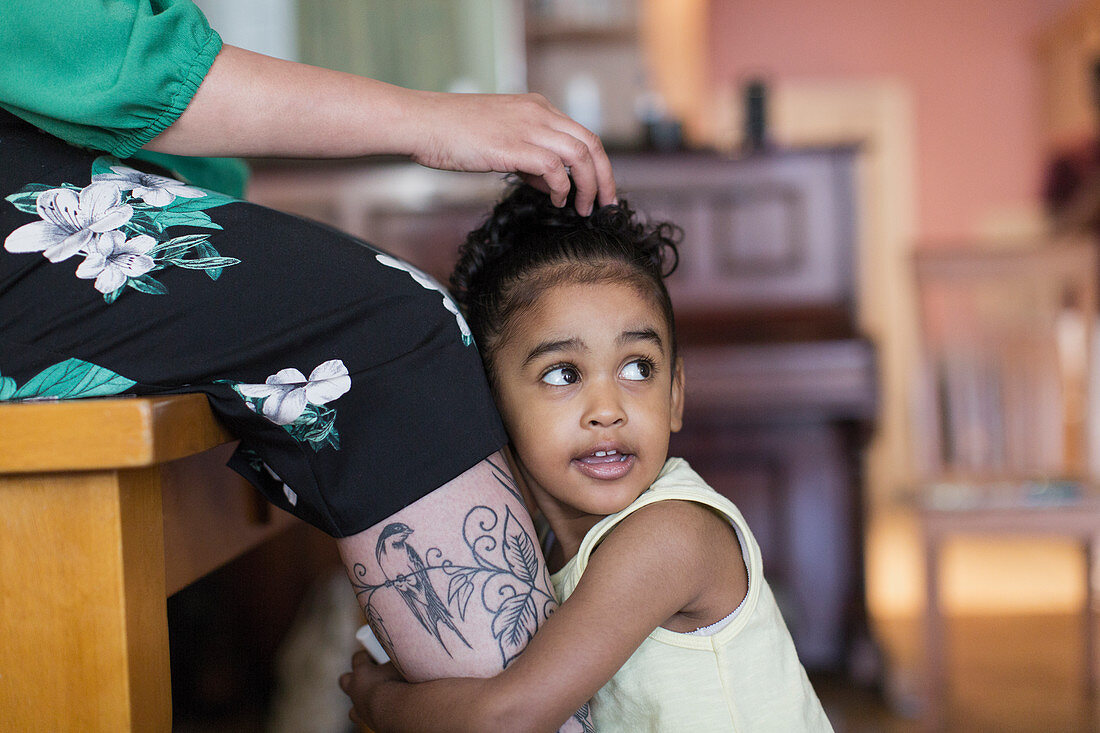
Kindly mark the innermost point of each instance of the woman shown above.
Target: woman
(351, 381)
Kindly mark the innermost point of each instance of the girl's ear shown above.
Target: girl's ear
(676, 418)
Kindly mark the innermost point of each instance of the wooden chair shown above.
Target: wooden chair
(1004, 437)
(107, 506)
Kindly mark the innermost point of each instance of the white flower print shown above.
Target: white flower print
(153, 190)
(287, 392)
(71, 221)
(428, 282)
(113, 259)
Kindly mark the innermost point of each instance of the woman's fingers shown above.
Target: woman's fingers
(584, 154)
(553, 156)
(550, 169)
(522, 134)
(578, 158)
(580, 152)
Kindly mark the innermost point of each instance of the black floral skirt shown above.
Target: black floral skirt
(349, 376)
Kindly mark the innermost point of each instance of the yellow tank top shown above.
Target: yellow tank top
(746, 677)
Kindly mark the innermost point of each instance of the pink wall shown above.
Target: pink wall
(970, 65)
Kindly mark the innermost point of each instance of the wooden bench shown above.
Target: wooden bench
(107, 507)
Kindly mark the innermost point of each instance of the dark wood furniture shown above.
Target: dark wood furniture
(780, 387)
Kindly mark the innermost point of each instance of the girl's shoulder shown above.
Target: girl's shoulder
(681, 539)
(683, 550)
(685, 527)
(695, 549)
(680, 536)
(680, 511)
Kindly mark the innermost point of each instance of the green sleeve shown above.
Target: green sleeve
(103, 75)
(106, 75)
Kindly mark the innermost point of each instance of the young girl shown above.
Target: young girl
(666, 622)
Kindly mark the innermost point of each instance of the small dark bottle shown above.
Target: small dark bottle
(756, 117)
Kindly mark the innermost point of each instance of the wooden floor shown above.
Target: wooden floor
(1020, 674)
(1008, 674)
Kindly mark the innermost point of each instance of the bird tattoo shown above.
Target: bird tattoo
(405, 571)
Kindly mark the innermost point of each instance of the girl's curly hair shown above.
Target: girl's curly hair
(527, 245)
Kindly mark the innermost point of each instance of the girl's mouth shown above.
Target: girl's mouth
(605, 465)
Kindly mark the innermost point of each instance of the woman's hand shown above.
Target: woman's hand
(363, 684)
(521, 133)
(255, 105)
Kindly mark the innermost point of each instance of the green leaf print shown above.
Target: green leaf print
(316, 426)
(204, 263)
(209, 201)
(103, 164)
(140, 223)
(207, 250)
(154, 221)
(175, 251)
(7, 388)
(185, 242)
(176, 248)
(147, 284)
(161, 219)
(27, 199)
(72, 378)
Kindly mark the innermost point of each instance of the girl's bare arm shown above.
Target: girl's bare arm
(255, 105)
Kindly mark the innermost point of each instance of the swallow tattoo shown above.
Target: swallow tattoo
(405, 571)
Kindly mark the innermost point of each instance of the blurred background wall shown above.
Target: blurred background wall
(971, 68)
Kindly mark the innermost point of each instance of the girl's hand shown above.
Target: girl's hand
(364, 684)
(512, 133)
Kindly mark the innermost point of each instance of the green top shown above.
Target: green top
(111, 75)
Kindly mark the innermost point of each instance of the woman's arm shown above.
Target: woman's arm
(255, 105)
(654, 564)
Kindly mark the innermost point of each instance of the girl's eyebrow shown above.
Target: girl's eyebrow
(576, 344)
(549, 347)
(642, 334)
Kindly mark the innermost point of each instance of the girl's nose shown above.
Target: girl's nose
(605, 409)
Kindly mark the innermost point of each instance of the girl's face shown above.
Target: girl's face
(589, 393)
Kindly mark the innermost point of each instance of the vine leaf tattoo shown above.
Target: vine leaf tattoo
(504, 564)
(518, 619)
(461, 588)
(504, 478)
(519, 550)
(374, 619)
(514, 625)
(583, 717)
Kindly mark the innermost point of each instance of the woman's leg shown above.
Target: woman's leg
(454, 584)
(349, 378)
(351, 381)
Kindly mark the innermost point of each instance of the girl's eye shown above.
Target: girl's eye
(561, 376)
(639, 370)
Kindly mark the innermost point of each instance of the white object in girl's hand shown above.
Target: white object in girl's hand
(370, 643)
